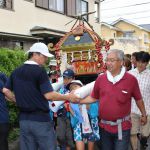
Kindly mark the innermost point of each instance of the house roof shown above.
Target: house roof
(110, 26)
(43, 31)
(129, 22)
(146, 26)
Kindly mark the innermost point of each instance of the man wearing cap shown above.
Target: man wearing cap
(32, 90)
(63, 128)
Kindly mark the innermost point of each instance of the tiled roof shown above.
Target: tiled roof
(146, 26)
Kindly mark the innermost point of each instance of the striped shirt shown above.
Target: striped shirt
(144, 84)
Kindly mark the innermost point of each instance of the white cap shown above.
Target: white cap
(77, 81)
(41, 48)
(74, 82)
(52, 63)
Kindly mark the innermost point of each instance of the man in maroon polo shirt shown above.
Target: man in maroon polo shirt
(114, 90)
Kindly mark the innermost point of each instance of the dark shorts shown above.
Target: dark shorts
(64, 132)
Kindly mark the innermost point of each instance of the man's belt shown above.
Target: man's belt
(118, 123)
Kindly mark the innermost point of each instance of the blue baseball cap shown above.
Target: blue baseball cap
(68, 73)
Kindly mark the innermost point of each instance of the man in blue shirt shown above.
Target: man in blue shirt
(4, 116)
(32, 90)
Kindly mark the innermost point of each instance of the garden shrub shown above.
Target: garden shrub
(9, 60)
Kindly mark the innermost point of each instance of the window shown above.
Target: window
(29, 0)
(56, 5)
(114, 35)
(146, 38)
(128, 34)
(68, 7)
(78, 7)
(71, 7)
(84, 8)
(19, 44)
(42, 3)
(2, 3)
(6, 4)
(96, 5)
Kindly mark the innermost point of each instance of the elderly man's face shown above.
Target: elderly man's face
(113, 63)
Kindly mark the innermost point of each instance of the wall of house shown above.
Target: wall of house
(128, 27)
(107, 32)
(145, 43)
(25, 16)
(128, 46)
(138, 33)
(92, 21)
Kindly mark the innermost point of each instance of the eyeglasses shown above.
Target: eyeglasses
(111, 60)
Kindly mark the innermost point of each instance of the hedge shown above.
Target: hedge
(9, 60)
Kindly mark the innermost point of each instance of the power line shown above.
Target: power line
(126, 6)
(141, 17)
(117, 15)
(105, 2)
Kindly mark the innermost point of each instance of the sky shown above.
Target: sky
(135, 11)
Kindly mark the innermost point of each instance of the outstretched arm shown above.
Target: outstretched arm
(55, 96)
(87, 100)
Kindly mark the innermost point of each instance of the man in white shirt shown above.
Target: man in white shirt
(143, 76)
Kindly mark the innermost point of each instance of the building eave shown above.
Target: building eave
(20, 36)
(111, 27)
(45, 32)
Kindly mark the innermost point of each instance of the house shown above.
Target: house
(127, 36)
(24, 22)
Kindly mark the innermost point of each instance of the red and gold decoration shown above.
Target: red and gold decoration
(86, 58)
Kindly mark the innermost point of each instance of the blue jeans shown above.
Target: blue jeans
(37, 135)
(110, 141)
